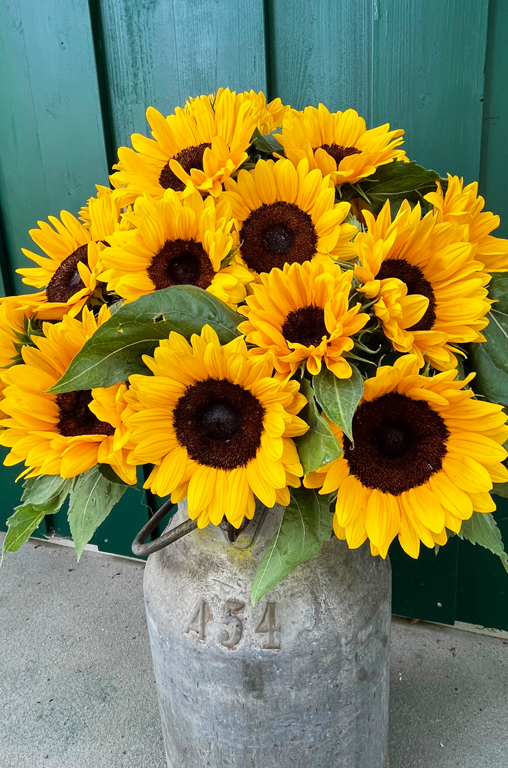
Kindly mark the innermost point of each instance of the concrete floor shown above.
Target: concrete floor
(77, 689)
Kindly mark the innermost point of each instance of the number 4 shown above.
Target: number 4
(267, 626)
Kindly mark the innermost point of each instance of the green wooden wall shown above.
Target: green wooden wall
(77, 76)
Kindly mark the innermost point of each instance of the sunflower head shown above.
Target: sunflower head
(217, 426)
(288, 215)
(197, 147)
(64, 434)
(301, 313)
(69, 276)
(462, 205)
(430, 289)
(338, 143)
(424, 457)
(269, 116)
(176, 241)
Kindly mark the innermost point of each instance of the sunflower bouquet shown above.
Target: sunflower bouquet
(267, 304)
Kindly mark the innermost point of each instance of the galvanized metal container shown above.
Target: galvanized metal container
(298, 681)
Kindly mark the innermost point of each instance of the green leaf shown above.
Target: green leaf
(339, 397)
(399, 181)
(500, 489)
(490, 358)
(266, 144)
(482, 529)
(305, 526)
(318, 446)
(109, 473)
(21, 525)
(46, 489)
(114, 352)
(92, 498)
(43, 495)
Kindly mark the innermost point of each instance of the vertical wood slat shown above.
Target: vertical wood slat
(494, 157)
(162, 52)
(321, 52)
(50, 121)
(428, 77)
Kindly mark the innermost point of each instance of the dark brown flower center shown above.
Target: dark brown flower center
(398, 443)
(338, 152)
(219, 423)
(416, 282)
(190, 157)
(277, 234)
(76, 418)
(67, 281)
(305, 326)
(181, 262)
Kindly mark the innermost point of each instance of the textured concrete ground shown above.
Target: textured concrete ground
(77, 689)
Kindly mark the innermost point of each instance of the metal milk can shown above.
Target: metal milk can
(299, 680)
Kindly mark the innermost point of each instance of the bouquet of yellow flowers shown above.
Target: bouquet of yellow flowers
(266, 304)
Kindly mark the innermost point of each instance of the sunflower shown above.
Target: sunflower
(195, 148)
(269, 116)
(69, 433)
(287, 215)
(70, 275)
(425, 456)
(301, 313)
(338, 143)
(430, 289)
(217, 426)
(462, 205)
(175, 242)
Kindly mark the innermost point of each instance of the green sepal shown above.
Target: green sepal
(306, 525)
(266, 144)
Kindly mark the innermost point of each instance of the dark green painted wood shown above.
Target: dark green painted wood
(482, 594)
(425, 588)
(321, 52)
(494, 156)
(50, 122)
(161, 52)
(428, 74)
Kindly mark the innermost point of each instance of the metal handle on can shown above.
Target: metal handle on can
(140, 549)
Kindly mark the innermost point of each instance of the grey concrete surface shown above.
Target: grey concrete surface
(77, 688)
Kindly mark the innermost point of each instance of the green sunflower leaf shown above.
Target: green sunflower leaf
(306, 525)
(267, 144)
(397, 181)
(92, 498)
(339, 397)
(43, 495)
(490, 359)
(318, 446)
(115, 350)
(500, 489)
(21, 525)
(481, 528)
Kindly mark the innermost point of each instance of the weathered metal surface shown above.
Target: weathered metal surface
(298, 681)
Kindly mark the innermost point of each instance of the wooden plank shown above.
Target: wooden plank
(50, 121)
(160, 53)
(321, 52)
(494, 157)
(428, 72)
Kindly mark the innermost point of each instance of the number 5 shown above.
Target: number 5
(231, 630)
